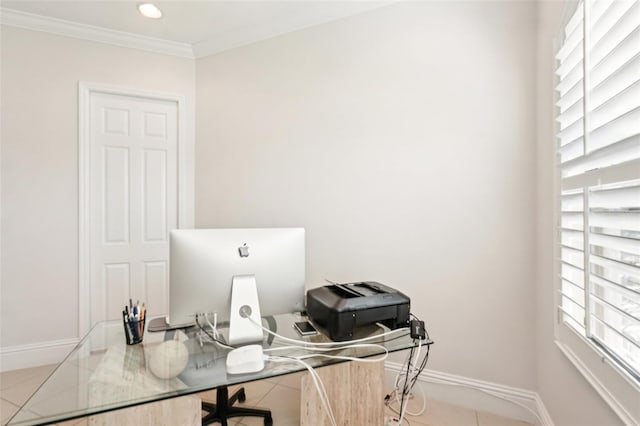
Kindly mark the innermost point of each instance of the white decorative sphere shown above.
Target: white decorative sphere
(168, 359)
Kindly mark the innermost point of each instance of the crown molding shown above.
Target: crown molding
(89, 32)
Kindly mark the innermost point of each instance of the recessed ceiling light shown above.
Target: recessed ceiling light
(149, 10)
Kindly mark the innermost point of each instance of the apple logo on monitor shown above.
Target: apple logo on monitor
(244, 250)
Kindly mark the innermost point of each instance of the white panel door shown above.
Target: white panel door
(133, 144)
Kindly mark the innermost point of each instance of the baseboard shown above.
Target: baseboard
(35, 355)
(545, 417)
(478, 395)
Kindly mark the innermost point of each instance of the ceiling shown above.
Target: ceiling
(207, 26)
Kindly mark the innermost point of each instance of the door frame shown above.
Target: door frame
(185, 182)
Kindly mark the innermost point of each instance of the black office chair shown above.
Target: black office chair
(224, 409)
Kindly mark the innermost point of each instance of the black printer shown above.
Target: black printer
(340, 308)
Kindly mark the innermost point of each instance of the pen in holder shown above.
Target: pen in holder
(133, 319)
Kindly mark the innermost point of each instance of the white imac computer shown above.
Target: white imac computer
(264, 269)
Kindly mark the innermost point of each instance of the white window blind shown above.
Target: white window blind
(598, 141)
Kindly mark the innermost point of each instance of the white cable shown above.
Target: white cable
(322, 391)
(323, 347)
(406, 362)
(204, 337)
(396, 399)
(407, 374)
(488, 392)
(334, 344)
(437, 381)
(405, 390)
(214, 328)
(349, 358)
(409, 413)
(311, 348)
(314, 375)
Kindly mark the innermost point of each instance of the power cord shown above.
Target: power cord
(317, 381)
(407, 386)
(211, 336)
(322, 348)
(412, 369)
(327, 344)
(314, 349)
(493, 394)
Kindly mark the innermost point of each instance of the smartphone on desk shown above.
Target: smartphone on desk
(305, 328)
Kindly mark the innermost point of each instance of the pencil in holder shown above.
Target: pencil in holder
(133, 320)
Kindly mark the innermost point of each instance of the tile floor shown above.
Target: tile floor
(281, 395)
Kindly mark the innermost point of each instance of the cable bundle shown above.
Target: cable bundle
(322, 348)
(319, 349)
(206, 336)
(405, 383)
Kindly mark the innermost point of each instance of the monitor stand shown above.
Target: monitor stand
(244, 327)
(244, 318)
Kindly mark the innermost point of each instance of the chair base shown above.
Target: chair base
(223, 409)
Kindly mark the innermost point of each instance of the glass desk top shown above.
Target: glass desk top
(103, 373)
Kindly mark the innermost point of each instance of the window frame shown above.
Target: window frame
(618, 387)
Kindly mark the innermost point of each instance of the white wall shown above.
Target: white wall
(403, 141)
(567, 395)
(40, 74)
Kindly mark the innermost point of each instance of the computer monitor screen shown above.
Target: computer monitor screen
(203, 263)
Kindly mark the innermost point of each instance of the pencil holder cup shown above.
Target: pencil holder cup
(133, 330)
(133, 319)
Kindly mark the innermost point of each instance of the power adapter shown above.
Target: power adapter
(417, 329)
(391, 421)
